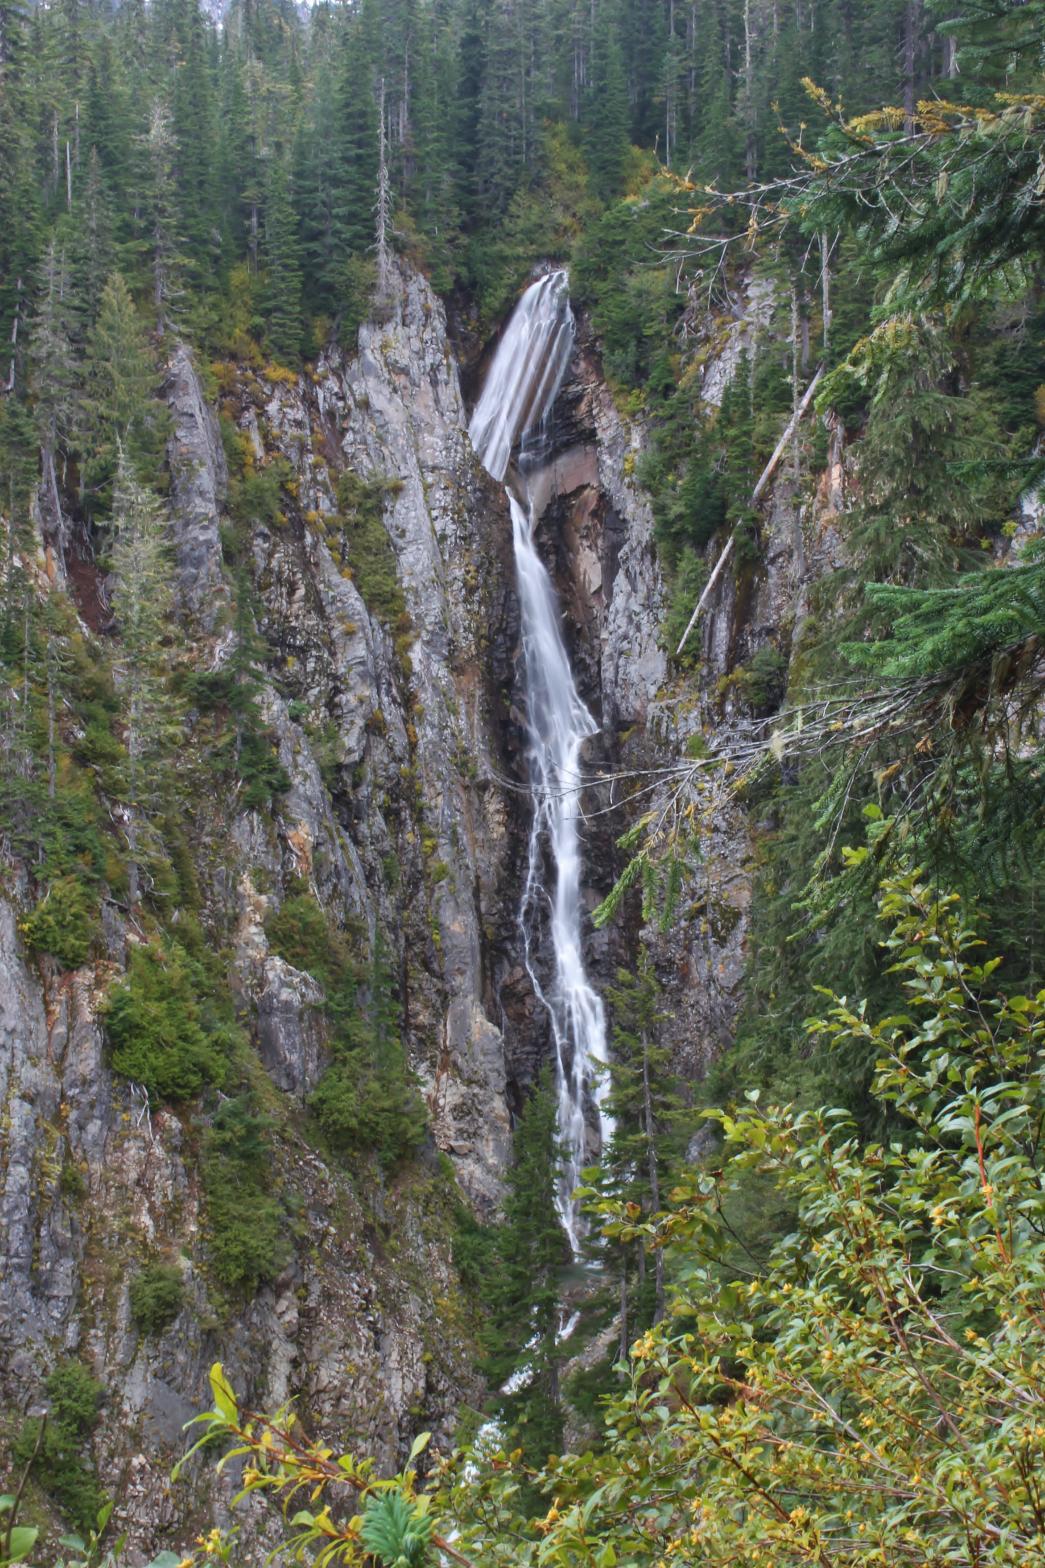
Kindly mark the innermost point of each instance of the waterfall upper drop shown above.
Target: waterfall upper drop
(520, 391)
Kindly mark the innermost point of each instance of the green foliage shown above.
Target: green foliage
(122, 410)
(64, 923)
(301, 932)
(246, 1225)
(242, 746)
(62, 1464)
(366, 546)
(887, 1324)
(872, 1384)
(645, 1102)
(257, 498)
(530, 1254)
(688, 583)
(632, 299)
(934, 466)
(396, 1532)
(156, 1296)
(367, 1100)
(18, 1539)
(760, 683)
(474, 1248)
(159, 1035)
(363, 1107)
(282, 267)
(984, 618)
(142, 572)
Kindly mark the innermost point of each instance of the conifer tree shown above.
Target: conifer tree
(355, 143)
(524, 1300)
(646, 1107)
(163, 239)
(911, 521)
(19, 477)
(607, 115)
(195, 134)
(119, 406)
(90, 247)
(141, 601)
(316, 181)
(54, 380)
(281, 253)
(19, 196)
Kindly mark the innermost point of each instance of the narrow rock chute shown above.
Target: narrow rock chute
(520, 391)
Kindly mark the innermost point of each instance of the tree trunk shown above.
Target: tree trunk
(623, 1355)
(912, 16)
(383, 208)
(764, 479)
(825, 289)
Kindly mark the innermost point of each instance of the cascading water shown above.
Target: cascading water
(520, 390)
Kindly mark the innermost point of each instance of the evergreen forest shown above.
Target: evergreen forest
(281, 1114)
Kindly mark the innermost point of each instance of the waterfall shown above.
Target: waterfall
(518, 396)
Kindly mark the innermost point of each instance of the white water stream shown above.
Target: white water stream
(520, 390)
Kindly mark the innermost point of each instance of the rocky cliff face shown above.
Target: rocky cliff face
(399, 732)
(396, 717)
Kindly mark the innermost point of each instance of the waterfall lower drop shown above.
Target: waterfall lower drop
(517, 399)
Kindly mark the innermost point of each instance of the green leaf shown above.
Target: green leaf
(224, 1398)
(23, 1539)
(420, 1443)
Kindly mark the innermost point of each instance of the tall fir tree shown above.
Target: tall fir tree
(142, 663)
(532, 1251)
(281, 254)
(120, 408)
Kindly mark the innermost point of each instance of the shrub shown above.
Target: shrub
(299, 932)
(62, 1466)
(257, 498)
(64, 923)
(156, 1297)
(762, 681)
(364, 1107)
(868, 1391)
(245, 1223)
(157, 1031)
(370, 552)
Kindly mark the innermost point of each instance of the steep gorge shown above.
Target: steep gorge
(405, 814)
(400, 727)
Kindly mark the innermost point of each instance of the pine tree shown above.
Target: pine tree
(91, 247)
(19, 197)
(503, 130)
(525, 1292)
(911, 520)
(433, 190)
(54, 381)
(646, 1106)
(606, 138)
(141, 600)
(281, 253)
(316, 180)
(120, 410)
(354, 142)
(19, 477)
